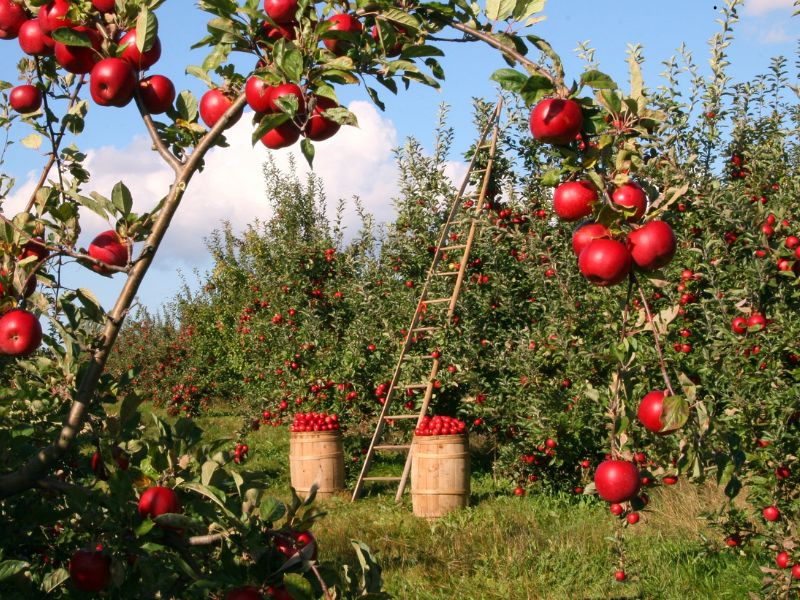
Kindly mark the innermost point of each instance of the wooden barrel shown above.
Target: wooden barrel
(439, 474)
(316, 457)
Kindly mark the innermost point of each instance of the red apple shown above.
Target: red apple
(90, 570)
(556, 121)
(104, 6)
(279, 593)
(33, 40)
(771, 513)
(79, 59)
(98, 467)
(757, 321)
(213, 105)
(280, 11)
(652, 246)
(25, 99)
(157, 501)
(605, 262)
(573, 200)
(20, 333)
(286, 90)
(587, 232)
(344, 23)
(397, 48)
(281, 30)
(110, 249)
(258, 93)
(318, 127)
(617, 480)
(620, 575)
(138, 60)
(53, 16)
(12, 16)
(631, 195)
(650, 410)
(782, 560)
(282, 136)
(157, 93)
(739, 325)
(112, 82)
(796, 571)
(244, 593)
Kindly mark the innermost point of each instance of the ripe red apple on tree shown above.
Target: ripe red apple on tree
(587, 232)
(258, 93)
(213, 105)
(281, 30)
(739, 325)
(157, 93)
(53, 16)
(650, 411)
(141, 61)
(631, 195)
(110, 249)
(757, 321)
(244, 593)
(25, 98)
(556, 121)
(652, 246)
(279, 593)
(344, 23)
(282, 136)
(20, 333)
(90, 570)
(573, 200)
(782, 560)
(33, 40)
(397, 48)
(771, 513)
(157, 501)
(605, 262)
(104, 6)
(12, 16)
(280, 11)
(318, 128)
(285, 91)
(79, 59)
(617, 480)
(796, 571)
(112, 82)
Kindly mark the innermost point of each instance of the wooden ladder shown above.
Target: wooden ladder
(484, 154)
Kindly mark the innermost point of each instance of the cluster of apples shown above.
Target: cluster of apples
(114, 63)
(312, 421)
(602, 259)
(20, 331)
(440, 425)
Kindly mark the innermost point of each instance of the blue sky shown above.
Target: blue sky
(359, 162)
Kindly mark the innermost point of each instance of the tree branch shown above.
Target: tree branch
(37, 465)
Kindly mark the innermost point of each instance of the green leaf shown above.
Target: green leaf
(527, 8)
(551, 178)
(298, 587)
(291, 64)
(187, 106)
(209, 493)
(207, 471)
(70, 37)
(499, 10)
(270, 510)
(54, 579)
(510, 80)
(674, 414)
(415, 51)
(268, 123)
(90, 303)
(146, 30)
(400, 17)
(121, 198)
(547, 49)
(307, 148)
(536, 87)
(9, 568)
(597, 80)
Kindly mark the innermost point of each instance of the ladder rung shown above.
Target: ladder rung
(437, 300)
(417, 356)
(446, 274)
(414, 386)
(381, 479)
(401, 417)
(393, 447)
(425, 329)
(456, 247)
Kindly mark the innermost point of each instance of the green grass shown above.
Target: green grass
(503, 547)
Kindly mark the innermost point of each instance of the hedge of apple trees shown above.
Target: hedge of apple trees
(549, 369)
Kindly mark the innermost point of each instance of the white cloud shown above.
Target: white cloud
(774, 35)
(356, 162)
(760, 7)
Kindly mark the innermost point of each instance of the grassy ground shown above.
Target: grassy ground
(538, 546)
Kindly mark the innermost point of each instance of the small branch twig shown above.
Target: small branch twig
(662, 363)
(160, 147)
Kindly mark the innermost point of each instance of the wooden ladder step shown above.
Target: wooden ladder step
(414, 386)
(437, 300)
(453, 247)
(446, 273)
(417, 357)
(381, 478)
(401, 417)
(425, 329)
(393, 447)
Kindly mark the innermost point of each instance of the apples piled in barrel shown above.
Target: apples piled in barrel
(440, 425)
(612, 242)
(312, 421)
